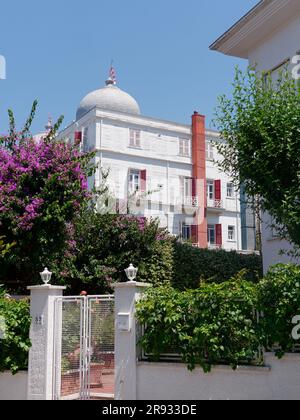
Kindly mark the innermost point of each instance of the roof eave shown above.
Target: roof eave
(256, 26)
(218, 45)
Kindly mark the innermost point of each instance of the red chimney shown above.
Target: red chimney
(199, 175)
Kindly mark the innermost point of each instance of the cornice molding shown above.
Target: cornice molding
(255, 26)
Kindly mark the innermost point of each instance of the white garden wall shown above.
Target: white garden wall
(13, 387)
(170, 381)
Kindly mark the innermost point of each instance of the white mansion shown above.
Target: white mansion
(167, 166)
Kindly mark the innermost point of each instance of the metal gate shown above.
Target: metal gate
(84, 348)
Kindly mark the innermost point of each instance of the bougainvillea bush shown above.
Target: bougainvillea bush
(42, 188)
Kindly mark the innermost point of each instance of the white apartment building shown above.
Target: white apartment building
(165, 166)
(269, 37)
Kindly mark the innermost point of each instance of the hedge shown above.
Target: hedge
(206, 326)
(193, 266)
(217, 323)
(279, 302)
(14, 334)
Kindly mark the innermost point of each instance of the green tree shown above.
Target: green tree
(260, 125)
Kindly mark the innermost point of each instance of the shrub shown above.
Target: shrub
(215, 323)
(5, 248)
(193, 265)
(14, 334)
(158, 268)
(105, 245)
(279, 300)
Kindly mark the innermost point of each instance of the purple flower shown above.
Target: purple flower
(37, 175)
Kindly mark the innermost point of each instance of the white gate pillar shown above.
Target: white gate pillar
(40, 369)
(126, 295)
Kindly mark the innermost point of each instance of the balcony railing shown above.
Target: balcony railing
(191, 201)
(215, 204)
(215, 246)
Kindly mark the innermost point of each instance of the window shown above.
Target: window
(230, 190)
(186, 232)
(184, 147)
(135, 138)
(85, 140)
(186, 190)
(188, 187)
(209, 150)
(231, 233)
(210, 190)
(134, 181)
(276, 71)
(274, 234)
(211, 235)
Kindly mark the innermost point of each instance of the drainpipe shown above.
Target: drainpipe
(168, 195)
(238, 215)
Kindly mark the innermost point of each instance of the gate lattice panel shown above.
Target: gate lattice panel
(84, 347)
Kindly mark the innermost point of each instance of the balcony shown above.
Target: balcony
(215, 205)
(191, 202)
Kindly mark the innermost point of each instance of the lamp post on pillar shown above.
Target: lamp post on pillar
(131, 273)
(46, 276)
(40, 369)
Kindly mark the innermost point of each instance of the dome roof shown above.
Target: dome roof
(110, 98)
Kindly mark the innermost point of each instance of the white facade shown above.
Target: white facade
(155, 158)
(268, 36)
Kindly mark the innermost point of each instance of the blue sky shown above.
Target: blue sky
(57, 51)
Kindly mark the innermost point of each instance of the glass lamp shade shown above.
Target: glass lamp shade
(131, 272)
(46, 276)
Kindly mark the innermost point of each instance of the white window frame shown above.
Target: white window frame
(274, 234)
(231, 233)
(230, 187)
(186, 232)
(188, 187)
(211, 193)
(184, 147)
(274, 72)
(134, 181)
(135, 138)
(209, 151)
(211, 228)
(284, 65)
(85, 140)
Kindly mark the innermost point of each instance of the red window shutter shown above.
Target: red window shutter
(218, 190)
(219, 239)
(195, 234)
(194, 187)
(143, 181)
(78, 137)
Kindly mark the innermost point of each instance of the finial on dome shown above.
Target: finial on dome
(112, 79)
